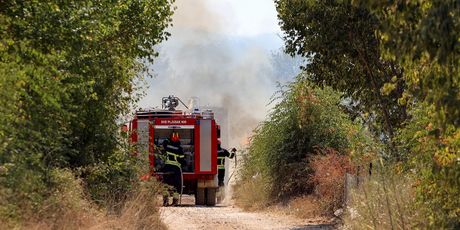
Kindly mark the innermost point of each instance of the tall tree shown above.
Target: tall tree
(339, 40)
(423, 36)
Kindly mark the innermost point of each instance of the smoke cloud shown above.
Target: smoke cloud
(202, 59)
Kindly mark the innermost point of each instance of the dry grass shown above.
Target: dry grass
(140, 212)
(305, 207)
(68, 208)
(385, 201)
(251, 194)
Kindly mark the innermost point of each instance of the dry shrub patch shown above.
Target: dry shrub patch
(296, 151)
(329, 169)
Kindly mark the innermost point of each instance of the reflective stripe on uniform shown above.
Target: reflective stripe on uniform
(172, 159)
(221, 162)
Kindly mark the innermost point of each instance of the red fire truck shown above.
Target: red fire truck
(198, 133)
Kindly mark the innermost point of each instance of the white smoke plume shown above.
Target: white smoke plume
(201, 59)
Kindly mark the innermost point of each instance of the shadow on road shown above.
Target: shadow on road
(196, 206)
(314, 227)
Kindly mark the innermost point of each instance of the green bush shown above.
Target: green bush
(305, 120)
(109, 183)
(434, 157)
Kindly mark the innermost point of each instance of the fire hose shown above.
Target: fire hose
(234, 167)
(181, 185)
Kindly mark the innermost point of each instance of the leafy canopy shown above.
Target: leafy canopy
(344, 53)
(67, 74)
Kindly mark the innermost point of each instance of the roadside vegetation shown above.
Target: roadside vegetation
(395, 68)
(67, 76)
(306, 135)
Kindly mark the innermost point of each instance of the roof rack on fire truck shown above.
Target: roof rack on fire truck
(168, 109)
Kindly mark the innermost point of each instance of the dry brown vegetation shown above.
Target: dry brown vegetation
(328, 172)
(139, 212)
(384, 201)
(329, 169)
(251, 194)
(69, 208)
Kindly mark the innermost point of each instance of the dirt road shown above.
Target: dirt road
(188, 216)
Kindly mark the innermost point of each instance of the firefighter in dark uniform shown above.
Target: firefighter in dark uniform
(172, 169)
(221, 154)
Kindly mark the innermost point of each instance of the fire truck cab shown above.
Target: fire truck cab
(198, 133)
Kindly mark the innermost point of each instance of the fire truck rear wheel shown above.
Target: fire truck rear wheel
(211, 197)
(200, 198)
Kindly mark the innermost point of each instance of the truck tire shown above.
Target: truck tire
(211, 196)
(200, 198)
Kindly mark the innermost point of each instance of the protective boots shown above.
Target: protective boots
(165, 201)
(175, 199)
(175, 202)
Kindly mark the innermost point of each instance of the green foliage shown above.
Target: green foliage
(435, 158)
(389, 56)
(424, 37)
(305, 120)
(110, 182)
(68, 70)
(339, 40)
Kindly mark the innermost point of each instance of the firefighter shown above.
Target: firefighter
(221, 154)
(172, 168)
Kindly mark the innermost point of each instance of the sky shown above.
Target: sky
(220, 51)
(246, 18)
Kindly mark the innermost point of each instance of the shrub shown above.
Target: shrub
(329, 168)
(110, 182)
(66, 206)
(305, 119)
